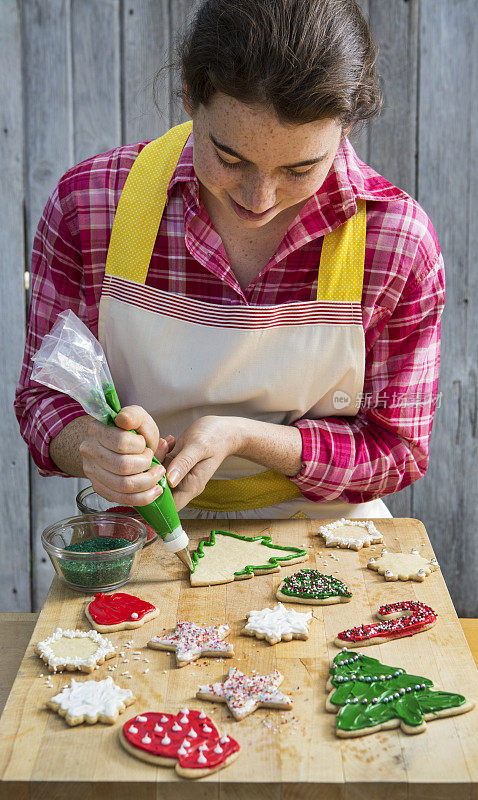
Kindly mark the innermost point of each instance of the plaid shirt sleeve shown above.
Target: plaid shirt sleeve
(57, 275)
(385, 447)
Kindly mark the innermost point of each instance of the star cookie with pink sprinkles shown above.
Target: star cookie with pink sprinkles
(191, 641)
(244, 693)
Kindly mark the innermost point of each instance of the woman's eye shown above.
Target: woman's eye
(299, 174)
(237, 164)
(227, 163)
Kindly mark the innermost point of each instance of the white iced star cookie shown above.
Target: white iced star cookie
(91, 701)
(244, 693)
(278, 624)
(75, 650)
(403, 566)
(352, 534)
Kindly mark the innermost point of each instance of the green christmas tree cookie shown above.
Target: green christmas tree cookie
(227, 557)
(367, 696)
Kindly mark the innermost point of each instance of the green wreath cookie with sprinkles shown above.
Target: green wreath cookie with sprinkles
(314, 588)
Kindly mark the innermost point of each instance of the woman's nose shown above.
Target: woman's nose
(259, 194)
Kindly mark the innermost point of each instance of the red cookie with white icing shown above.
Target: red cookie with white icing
(398, 620)
(188, 741)
(118, 611)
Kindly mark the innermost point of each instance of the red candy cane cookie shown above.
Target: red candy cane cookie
(188, 741)
(398, 619)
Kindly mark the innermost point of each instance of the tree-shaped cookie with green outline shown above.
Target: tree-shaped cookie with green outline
(227, 557)
(368, 696)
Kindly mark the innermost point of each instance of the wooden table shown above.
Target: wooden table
(41, 757)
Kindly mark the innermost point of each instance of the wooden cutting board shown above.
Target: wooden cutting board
(285, 756)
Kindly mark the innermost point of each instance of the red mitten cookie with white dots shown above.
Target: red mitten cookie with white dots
(188, 741)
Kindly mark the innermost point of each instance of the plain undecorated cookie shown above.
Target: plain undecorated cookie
(403, 566)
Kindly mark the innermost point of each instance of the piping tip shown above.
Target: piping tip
(185, 557)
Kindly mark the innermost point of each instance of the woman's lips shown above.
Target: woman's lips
(244, 213)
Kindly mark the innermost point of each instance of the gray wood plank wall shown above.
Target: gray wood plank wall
(77, 80)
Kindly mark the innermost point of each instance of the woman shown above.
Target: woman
(270, 307)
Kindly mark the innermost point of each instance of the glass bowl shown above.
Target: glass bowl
(94, 571)
(89, 502)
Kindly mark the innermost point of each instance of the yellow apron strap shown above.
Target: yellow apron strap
(342, 260)
(141, 206)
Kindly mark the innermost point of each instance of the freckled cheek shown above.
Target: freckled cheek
(212, 175)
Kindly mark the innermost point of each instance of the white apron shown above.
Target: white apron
(181, 358)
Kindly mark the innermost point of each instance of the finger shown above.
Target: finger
(186, 459)
(117, 463)
(143, 499)
(162, 449)
(120, 441)
(133, 490)
(193, 484)
(136, 418)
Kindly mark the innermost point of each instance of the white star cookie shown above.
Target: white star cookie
(278, 624)
(75, 650)
(244, 693)
(190, 641)
(350, 533)
(91, 701)
(403, 566)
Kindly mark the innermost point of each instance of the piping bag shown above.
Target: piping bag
(72, 361)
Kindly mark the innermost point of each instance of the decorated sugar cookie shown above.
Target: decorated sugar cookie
(188, 741)
(314, 588)
(350, 533)
(118, 611)
(244, 693)
(190, 641)
(278, 624)
(91, 701)
(227, 557)
(403, 566)
(399, 619)
(367, 696)
(75, 650)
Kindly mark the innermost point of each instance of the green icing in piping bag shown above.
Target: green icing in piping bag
(161, 514)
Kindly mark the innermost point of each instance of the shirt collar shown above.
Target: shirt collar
(349, 178)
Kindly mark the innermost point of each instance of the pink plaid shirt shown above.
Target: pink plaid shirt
(382, 449)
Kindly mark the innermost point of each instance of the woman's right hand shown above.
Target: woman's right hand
(118, 462)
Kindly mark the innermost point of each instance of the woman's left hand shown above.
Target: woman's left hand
(198, 453)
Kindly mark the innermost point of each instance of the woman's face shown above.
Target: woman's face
(252, 165)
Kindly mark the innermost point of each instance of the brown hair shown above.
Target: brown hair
(305, 59)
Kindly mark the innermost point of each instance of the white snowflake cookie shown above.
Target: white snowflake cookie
(75, 650)
(91, 701)
(278, 624)
(350, 533)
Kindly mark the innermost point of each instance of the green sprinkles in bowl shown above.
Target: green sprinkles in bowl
(96, 572)
(313, 587)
